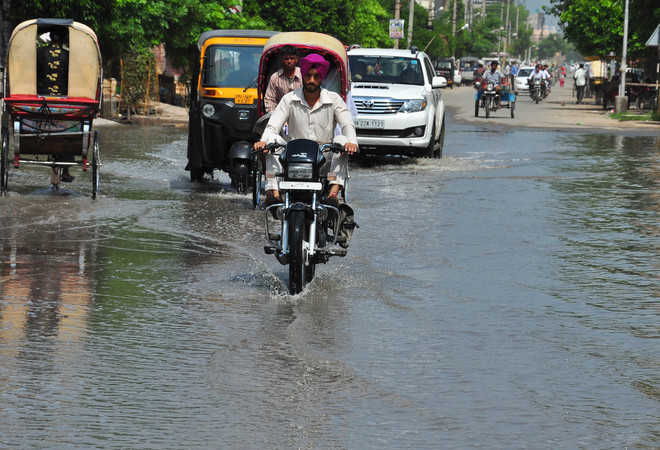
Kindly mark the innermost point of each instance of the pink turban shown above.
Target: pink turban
(314, 61)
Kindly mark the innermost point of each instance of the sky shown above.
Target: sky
(535, 6)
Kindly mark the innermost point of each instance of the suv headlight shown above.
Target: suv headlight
(413, 105)
(300, 171)
(208, 110)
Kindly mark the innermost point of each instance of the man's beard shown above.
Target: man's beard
(311, 87)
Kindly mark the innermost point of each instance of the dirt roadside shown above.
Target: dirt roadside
(557, 111)
(166, 114)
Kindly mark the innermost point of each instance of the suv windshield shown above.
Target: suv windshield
(524, 73)
(386, 69)
(443, 65)
(231, 66)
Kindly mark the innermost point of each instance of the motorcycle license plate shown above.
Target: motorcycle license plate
(301, 185)
(243, 99)
(369, 123)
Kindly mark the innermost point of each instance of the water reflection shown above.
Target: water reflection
(46, 298)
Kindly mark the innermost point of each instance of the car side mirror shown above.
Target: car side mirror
(438, 82)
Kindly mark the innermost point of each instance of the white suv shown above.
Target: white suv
(399, 102)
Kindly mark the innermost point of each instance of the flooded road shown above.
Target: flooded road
(505, 296)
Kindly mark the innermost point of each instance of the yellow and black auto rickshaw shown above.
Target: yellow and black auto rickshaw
(224, 105)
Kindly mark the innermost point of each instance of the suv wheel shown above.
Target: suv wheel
(430, 153)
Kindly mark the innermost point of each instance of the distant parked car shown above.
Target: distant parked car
(520, 82)
(458, 78)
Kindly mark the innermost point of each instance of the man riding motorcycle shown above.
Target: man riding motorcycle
(538, 74)
(493, 76)
(312, 112)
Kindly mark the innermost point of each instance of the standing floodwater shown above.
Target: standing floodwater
(505, 296)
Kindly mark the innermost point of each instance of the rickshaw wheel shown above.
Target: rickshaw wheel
(476, 108)
(257, 177)
(4, 165)
(95, 166)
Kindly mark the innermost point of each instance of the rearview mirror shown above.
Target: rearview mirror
(439, 82)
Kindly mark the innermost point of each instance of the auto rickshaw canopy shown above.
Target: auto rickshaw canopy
(84, 58)
(306, 42)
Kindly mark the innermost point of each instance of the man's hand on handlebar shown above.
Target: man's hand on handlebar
(350, 148)
(259, 146)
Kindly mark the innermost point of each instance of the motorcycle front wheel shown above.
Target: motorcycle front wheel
(488, 106)
(298, 272)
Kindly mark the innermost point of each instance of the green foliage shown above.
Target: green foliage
(595, 27)
(138, 77)
(324, 16)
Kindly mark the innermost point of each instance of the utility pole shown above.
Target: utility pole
(397, 16)
(453, 29)
(621, 100)
(483, 10)
(411, 14)
(507, 27)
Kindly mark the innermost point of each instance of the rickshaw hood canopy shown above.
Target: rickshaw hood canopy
(84, 58)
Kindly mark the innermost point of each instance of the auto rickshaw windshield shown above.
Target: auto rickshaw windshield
(231, 66)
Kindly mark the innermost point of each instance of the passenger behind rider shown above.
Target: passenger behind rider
(285, 80)
(311, 113)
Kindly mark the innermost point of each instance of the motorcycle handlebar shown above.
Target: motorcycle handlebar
(334, 147)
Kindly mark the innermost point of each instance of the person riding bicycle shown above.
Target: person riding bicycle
(312, 112)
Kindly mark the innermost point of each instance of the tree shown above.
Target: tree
(595, 27)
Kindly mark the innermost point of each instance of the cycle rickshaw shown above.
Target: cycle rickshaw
(337, 80)
(52, 93)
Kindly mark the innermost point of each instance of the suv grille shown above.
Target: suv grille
(377, 105)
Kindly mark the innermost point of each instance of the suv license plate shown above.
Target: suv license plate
(243, 99)
(370, 123)
(300, 185)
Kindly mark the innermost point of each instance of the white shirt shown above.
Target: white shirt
(580, 76)
(316, 123)
(541, 74)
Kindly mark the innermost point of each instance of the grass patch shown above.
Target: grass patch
(633, 116)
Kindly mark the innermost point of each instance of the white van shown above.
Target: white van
(399, 102)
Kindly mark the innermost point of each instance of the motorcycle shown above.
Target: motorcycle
(487, 97)
(537, 94)
(311, 227)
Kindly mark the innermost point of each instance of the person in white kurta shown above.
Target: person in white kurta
(311, 112)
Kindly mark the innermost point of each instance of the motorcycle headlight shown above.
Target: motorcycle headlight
(490, 86)
(208, 110)
(413, 105)
(300, 171)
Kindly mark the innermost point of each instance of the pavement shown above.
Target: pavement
(557, 111)
(165, 114)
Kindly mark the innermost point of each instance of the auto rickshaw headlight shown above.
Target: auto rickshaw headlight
(208, 110)
(300, 171)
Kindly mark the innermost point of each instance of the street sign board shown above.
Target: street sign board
(396, 28)
(654, 40)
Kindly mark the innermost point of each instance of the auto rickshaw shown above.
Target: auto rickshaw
(48, 114)
(224, 104)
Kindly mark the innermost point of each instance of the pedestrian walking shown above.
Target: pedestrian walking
(580, 82)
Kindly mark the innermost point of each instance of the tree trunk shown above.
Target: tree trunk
(5, 28)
